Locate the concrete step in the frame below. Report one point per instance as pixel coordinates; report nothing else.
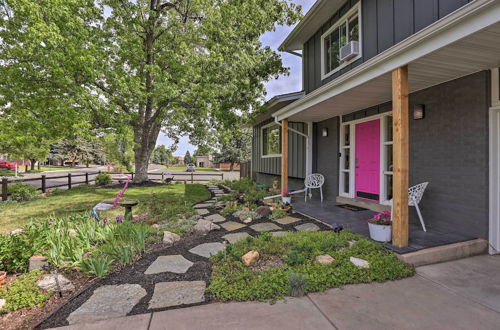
(445, 253)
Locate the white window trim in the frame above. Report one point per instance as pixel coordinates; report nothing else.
(351, 11)
(262, 141)
(495, 89)
(351, 125)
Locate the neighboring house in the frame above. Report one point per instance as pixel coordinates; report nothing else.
(395, 93)
(227, 166)
(204, 161)
(179, 160)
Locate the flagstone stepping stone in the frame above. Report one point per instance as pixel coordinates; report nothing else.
(235, 237)
(207, 250)
(173, 264)
(231, 225)
(287, 220)
(202, 211)
(167, 294)
(215, 218)
(307, 227)
(213, 187)
(108, 301)
(265, 226)
(218, 191)
(279, 233)
(202, 206)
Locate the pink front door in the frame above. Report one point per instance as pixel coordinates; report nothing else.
(368, 160)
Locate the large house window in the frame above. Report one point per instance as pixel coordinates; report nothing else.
(345, 31)
(271, 142)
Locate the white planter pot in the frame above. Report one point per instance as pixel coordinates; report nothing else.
(380, 233)
(287, 200)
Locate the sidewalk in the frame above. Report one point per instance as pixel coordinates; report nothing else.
(462, 294)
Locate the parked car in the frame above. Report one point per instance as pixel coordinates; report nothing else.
(7, 165)
(190, 168)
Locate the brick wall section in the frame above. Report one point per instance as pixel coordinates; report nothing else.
(449, 148)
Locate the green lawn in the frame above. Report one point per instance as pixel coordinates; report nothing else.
(162, 201)
(49, 169)
(182, 168)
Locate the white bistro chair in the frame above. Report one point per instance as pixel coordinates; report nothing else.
(314, 181)
(415, 194)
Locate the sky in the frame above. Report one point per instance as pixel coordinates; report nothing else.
(285, 84)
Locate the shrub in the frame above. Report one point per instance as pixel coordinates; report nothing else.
(277, 214)
(103, 179)
(297, 285)
(254, 196)
(22, 192)
(23, 292)
(242, 214)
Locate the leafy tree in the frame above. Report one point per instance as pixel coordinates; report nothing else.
(202, 150)
(78, 149)
(183, 66)
(187, 158)
(118, 148)
(235, 146)
(162, 155)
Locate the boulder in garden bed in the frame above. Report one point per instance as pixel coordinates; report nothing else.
(55, 282)
(250, 258)
(38, 263)
(324, 259)
(2, 303)
(203, 227)
(264, 210)
(170, 238)
(360, 262)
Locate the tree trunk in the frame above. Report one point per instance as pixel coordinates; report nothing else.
(32, 164)
(38, 165)
(145, 142)
(231, 167)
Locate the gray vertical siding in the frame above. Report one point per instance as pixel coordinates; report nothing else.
(325, 157)
(384, 23)
(296, 152)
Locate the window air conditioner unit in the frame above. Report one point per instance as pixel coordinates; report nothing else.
(349, 51)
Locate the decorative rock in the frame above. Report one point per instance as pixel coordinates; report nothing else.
(17, 231)
(215, 218)
(72, 232)
(360, 262)
(38, 262)
(167, 294)
(287, 220)
(235, 237)
(250, 258)
(263, 210)
(248, 220)
(307, 227)
(203, 227)
(49, 282)
(351, 243)
(173, 264)
(170, 238)
(207, 249)
(107, 302)
(202, 211)
(2, 303)
(324, 259)
(279, 233)
(265, 226)
(231, 225)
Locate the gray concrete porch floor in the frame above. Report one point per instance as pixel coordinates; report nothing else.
(462, 294)
(356, 221)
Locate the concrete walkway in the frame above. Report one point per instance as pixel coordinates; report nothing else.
(462, 294)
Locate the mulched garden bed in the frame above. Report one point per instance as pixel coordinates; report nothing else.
(134, 273)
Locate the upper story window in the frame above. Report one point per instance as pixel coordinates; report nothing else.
(271, 142)
(341, 44)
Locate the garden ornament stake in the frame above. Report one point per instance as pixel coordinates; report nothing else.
(106, 206)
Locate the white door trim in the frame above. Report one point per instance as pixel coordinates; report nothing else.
(494, 173)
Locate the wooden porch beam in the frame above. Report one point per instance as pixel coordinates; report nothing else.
(284, 155)
(400, 230)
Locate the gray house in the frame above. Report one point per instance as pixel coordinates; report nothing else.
(395, 93)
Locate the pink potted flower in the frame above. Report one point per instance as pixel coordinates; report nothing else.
(380, 227)
(286, 197)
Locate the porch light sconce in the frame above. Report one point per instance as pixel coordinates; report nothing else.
(324, 132)
(418, 111)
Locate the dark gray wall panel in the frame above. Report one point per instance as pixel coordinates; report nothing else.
(449, 148)
(326, 156)
(384, 23)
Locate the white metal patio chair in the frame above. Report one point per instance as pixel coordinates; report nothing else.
(314, 181)
(415, 194)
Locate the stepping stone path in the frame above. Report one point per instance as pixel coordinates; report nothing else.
(265, 226)
(307, 227)
(202, 211)
(215, 218)
(202, 206)
(235, 237)
(174, 264)
(107, 302)
(286, 220)
(279, 233)
(231, 225)
(167, 294)
(207, 250)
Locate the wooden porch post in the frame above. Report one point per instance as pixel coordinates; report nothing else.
(284, 155)
(400, 156)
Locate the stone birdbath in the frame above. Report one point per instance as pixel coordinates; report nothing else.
(128, 205)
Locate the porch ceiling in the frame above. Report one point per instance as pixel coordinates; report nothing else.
(473, 53)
